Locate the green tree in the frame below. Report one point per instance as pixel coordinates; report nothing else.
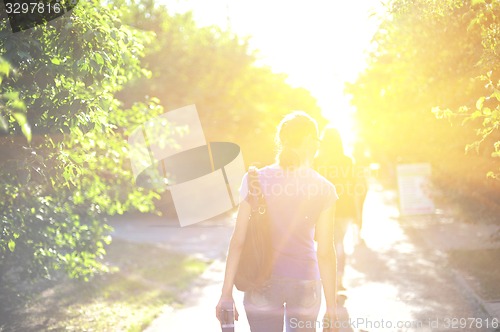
(482, 18)
(73, 171)
(215, 69)
(428, 56)
(58, 184)
(11, 107)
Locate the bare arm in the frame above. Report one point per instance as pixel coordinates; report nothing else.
(327, 259)
(234, 252)
(235, 247)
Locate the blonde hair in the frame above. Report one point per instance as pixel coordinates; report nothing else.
(291, 133)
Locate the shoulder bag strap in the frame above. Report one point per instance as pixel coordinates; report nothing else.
(255, 191)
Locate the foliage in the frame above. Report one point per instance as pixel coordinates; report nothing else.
(215, 69)
(483, 19)
(432, 56)
(11, 107)
(57, 187)
(127, 299)
(73, 171)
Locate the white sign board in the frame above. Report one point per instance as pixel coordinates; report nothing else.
(414, 189)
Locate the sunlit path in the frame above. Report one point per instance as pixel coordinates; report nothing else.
(393, 284)
(370, 297)
(393, 280)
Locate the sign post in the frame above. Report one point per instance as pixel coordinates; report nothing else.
(414, 189)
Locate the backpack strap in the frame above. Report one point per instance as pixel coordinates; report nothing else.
(257, 200)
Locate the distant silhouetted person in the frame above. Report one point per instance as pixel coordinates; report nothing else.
(334, 165)
(362, 165)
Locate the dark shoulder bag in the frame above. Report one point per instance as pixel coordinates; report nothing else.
(255, 264)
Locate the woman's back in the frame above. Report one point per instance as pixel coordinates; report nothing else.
(295, 199)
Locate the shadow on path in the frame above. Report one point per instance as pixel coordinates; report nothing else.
(394, 283)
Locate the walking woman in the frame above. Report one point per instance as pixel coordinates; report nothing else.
(301, 207)
(339, 169)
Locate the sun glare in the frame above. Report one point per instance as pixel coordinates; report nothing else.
(320, 45)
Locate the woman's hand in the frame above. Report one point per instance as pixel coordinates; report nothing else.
(233, 258)
(329, 320)
(225, 303)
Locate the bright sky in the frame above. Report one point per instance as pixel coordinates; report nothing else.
(320, 44)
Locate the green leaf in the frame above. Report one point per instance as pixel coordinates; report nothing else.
(107, 239)
(55, 61)
(20, 118)
(3, 124)
(475, 115)
(99, 59)
(11, 95)
(4, 68)
(18, 104)
(12, 245)
(496, 94)
(25, 127)
(479, 103)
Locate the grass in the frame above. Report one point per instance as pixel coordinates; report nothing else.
(144, 280)
(481, 269)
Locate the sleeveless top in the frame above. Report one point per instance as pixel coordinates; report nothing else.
(295, 199)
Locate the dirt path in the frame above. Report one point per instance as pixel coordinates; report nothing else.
(397, 282)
